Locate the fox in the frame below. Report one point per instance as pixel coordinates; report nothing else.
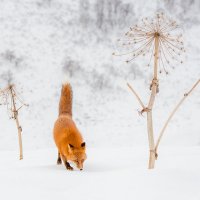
(68, 139)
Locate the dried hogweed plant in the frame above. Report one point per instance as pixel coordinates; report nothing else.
(160, 40)
(11, 98)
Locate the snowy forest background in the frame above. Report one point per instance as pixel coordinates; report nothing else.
(46, 42)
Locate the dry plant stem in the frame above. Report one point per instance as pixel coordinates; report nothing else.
(136, 95)
(173, 112)
(17, 123)
(154, 89)
(152, 153)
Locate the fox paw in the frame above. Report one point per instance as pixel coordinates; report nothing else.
(69, 168)
(59, 162)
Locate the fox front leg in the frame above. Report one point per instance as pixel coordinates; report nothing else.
(67, 165)
(59, 161)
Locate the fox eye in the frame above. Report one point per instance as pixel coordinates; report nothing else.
(71, 146)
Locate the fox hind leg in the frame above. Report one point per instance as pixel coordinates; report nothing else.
(59, 161)
(67, 165)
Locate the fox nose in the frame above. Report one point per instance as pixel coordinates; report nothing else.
(81, 169)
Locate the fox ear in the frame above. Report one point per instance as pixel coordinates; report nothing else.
(71, 146)
(83, 144)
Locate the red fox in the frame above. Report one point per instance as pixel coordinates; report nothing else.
(67, 137)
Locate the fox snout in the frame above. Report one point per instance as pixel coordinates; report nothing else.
(79, 165)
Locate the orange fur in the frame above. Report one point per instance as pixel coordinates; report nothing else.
(67, 137)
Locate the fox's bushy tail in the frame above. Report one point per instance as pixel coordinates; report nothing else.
(65, 104)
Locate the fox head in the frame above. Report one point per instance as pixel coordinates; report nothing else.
(77, 154)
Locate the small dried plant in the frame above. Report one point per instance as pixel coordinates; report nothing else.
(160, 40)
(14, 103)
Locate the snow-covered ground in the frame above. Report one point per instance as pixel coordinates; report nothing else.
(42, 43)
(109, 173)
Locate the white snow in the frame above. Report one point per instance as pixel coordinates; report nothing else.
(109, 173)
(46, 42)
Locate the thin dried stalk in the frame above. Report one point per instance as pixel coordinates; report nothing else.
(173, 112)
(15, 111)
(154, 86)
(136, 95)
